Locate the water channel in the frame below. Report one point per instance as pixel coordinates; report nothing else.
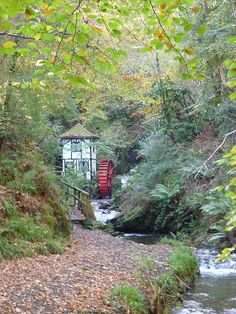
(214, 291)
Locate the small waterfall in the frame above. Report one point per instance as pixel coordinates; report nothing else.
(102, 210)
(208, 267)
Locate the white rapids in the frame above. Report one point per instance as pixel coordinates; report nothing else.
(102, 210)
(215, 291)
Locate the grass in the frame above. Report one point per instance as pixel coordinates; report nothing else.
(160, 288)
(27, 237)
(128, 299)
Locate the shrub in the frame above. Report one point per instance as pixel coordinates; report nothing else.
(183, 263)
(164, 288)
(6, 249)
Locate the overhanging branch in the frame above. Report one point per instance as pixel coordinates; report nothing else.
(16, 35)
(215, 151)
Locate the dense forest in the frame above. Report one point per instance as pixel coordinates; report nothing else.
(154, 84)
(155, 80)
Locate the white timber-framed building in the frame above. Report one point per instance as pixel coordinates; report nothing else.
(79, 151)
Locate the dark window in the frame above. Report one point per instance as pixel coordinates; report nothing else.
(76, 147)
(84, 165)
(69, 164)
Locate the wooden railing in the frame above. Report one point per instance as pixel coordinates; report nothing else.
(80, 198)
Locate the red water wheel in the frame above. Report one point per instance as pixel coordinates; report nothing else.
(105, 175)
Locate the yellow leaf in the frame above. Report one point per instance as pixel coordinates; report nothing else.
(96, 28)
(43, 6)
(48, 28)
(157, 32)
(37, 36)
(48, 13)
(196, 9)
(189, 51)
(69, 39)
(27, 14)
(161, 37)
(163, 5)
(170, 45)
(51, 59)
(9, 44)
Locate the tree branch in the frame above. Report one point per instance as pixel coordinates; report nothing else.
(16, 36)
(167, 36)
(65, 30)
(215, 151)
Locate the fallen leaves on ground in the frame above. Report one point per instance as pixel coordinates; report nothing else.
(77, 281)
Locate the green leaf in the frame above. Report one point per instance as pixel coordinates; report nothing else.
(32, 45)
(201, 76)
(179, 38)
(5, 26)
(189, 2)
(231, 40)
(77, 80)
(115, 33)
(82, 52)
(219, 188)
(202, 29)
(67, 59)
(188, 27)
(231, 83)
(186, 76)
(228, 62)
(47, 50)
(231, 73)
(82, 38)
(233, 96)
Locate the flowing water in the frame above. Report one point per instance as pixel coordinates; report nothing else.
(214, 291)
(102, 210)
(101, 207)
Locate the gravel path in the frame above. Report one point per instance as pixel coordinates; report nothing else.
(77, 281)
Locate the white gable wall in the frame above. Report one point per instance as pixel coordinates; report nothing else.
(79, 155)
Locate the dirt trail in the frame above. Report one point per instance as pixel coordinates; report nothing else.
(77, 281)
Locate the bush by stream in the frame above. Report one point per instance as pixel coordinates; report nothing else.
(156, 291)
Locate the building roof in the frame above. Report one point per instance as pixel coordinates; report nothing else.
(77, 131)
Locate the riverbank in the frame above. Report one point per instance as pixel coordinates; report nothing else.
(77, 281)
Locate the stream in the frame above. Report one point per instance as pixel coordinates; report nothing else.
(214, 291)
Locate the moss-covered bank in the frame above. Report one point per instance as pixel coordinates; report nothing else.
(33, 215)
(157, 291)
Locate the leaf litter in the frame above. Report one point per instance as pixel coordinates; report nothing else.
(77, 281)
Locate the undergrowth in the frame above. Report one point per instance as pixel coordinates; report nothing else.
(33, 215)
(159, 286)
(26, 236)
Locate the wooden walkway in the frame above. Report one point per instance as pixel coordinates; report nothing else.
(82, 208)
